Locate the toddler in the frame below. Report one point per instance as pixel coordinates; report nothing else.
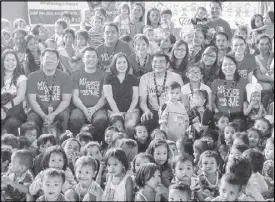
(166, 21)
(230, 188)
(15, 183)
(130, 148)
(52, 183)
(253, 108)
(159, 149)
(96, 32)
(123, 19)
(87, 189)
(229, 132)
(183, 167)
(119, 184)
(142, 137)
(43, 142)
(153, 45)
(200, 17)
(173, 114)
(209, 178)
(256, 160)
(54, 157)
(72, 149)
(148, 178)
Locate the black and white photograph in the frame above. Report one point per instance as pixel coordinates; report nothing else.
(137, 100)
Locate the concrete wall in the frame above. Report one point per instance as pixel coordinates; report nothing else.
(14, 9)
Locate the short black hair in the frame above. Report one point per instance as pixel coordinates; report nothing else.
(145, 173)
(86, 137)
(89, 48)
(63, 23)
(10, 139)
(69, 30)
(182, 158)
(223, 34)
(181, 187)
(119, 154)
(50, 50)
(166, 11)
(142, 155)
(53, 172)
(161, 54)
(28, 126)
(174, 85)
(44, 138)
(255, 158)
(47, 155)
(111, 24)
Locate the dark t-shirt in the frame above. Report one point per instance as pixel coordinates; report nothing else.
(36, 84)
(219, 23)
(227, 98)
(138, 71)
(122, 92)
(89, 85)
(247, 65)
(106, 53)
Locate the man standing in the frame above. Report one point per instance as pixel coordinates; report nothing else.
(49, 92)
(88, 95)
(111, 46)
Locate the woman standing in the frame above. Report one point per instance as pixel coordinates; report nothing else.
(179, 59)
(209, 65)
(229, 91)
(141, 60)
(13, 90)
(136, 19)
(121, 90)
(20, 47)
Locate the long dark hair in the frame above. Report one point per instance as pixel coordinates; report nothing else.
(17, 71)
(148, 21)
(252, 22)
(236, 75)
(142, 8)
(31, 61)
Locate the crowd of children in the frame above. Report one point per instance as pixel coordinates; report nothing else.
(215, 135)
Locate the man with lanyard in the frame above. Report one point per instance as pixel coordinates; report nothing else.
(153, 89)
(111, 46)
(88, 96)
(49, 92)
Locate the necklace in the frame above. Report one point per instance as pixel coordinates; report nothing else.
(50, 88)
(159, 93)
(217, 180)
(143, 62)
(227, 93)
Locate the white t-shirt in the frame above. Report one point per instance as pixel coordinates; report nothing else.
(147, 88)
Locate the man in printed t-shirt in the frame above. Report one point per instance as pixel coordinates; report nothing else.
(49, 92)
(111, 46)
(88, 95)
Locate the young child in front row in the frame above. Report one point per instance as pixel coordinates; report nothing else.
(130, 148)
(108, 138)
(183, 167)
(119, 186)
(209, 178)
(148, 179)
(54, 157)
(179, 192)
(53, 181)
(15, 183)
(173, 115)
(43, 142)
(268, 167)
(87, 189)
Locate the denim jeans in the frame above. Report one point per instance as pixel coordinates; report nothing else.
(99, 120)
(62, 117)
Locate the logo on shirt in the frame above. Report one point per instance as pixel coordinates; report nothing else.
(91, 87)
(46, 96)
(231, 97)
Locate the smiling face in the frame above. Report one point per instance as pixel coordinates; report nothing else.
(198, 38)
(256, 97)
(228, 135)
(261, 125)
(19, 40)
(264, 46)
(159, 64)
(222, 123)
(228, 67)
(56, 161)
(141, 47)
(32, 45)
(184, 171)
(84, 174)
(10, 62)
(180, 52)
(50, 61)
(234, 153)
(165, 18)
(68, 39)
(80, 41)
(258, 21)
(71, 149)
(114, 166)
(209, 164)
(194, 74)
(52, 187)
(215, 9)
(121, 65)
(238, 46)
(90, 59)
(160, 154)
(209, 58)
(109, 136)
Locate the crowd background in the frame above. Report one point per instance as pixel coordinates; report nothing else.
(126, 109)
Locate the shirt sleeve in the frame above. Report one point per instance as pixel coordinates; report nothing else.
(20, 79)
(67, 87)
(108, 79)
(134, 80)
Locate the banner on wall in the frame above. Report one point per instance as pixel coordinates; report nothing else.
(48, 12)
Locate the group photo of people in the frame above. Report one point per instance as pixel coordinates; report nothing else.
(131, 109)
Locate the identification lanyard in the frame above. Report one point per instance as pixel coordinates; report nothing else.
(159, 93)
(50, 89)
(227, 93)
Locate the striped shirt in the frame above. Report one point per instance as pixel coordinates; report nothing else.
(95, 37)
